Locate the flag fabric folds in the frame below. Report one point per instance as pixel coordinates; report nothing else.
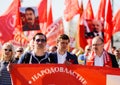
(71, 9)
(86, 17)
(108, 23)
(42, 12)
(116, 22)
(8, 22)
(54, 30)
(50, 16)
(101, 11)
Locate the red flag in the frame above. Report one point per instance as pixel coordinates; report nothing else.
(81, 8)
(50, 17)
(108, 23)
(42, 12)
(55, 30)
(86, 17)
(101, 10)
(81, 40)
(116, 22)
(108, 26)
(88, 12)
(71, 9)
(8, 22)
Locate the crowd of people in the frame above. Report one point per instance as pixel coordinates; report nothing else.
(36, 53)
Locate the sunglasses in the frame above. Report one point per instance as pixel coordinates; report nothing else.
(97, 44)
(40, 40)
(19, 51)
(8, 50)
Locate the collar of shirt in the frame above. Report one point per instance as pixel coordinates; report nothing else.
(61, 58)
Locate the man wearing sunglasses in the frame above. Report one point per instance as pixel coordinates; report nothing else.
(38, 54)
(18, 53)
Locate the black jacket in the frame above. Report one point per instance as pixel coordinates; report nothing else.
(70, 57)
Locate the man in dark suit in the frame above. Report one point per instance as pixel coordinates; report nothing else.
(62, 56)
(100, 57)
(30, 23)
(97, 27)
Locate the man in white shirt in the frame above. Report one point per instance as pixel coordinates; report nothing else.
(100, 57)
(62, 56)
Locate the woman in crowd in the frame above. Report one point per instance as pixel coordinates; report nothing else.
(6, 58)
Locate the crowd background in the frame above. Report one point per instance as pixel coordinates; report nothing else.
(87, 42)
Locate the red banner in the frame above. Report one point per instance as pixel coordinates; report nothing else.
(54, 74)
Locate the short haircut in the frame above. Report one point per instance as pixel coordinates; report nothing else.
(40, 34)
(63, 37)
(100, 38)
(30, 9)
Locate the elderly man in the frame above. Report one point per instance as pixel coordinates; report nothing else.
(99, 57)
(97, 29)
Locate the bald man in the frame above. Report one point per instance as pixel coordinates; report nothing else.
(100, 57)
(97, 28)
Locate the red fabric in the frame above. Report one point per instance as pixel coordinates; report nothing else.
(50, 16)
(61, 74)
(81, 8)
(42, 12)
(116, 22)
(8, 22)
(54, 31)
(88, 12)
(108, 23)
(71, 9)
(101, 10)
(82, 42)
(87, 15)
(106, 57)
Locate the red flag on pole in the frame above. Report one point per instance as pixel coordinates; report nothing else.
(86, 17)
(50, 17)
(108, 24)
(88, 12)
(116, 22)
(55, 30)
(8, 22)
(71, 9)
(42, 12)
(101, 11)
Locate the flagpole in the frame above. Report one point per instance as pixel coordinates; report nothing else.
(112, 38)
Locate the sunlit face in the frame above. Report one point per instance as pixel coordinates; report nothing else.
(63, 44)
(88, 49)
(97, 25)
(97, 45)
(18, 52)
(40, 42)
(30, 16)
(7, 52)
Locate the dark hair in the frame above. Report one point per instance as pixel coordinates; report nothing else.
(30, 9)
(40, 34)
(63, 37)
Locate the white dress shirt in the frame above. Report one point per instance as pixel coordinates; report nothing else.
(61, 58)
(98, 61)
